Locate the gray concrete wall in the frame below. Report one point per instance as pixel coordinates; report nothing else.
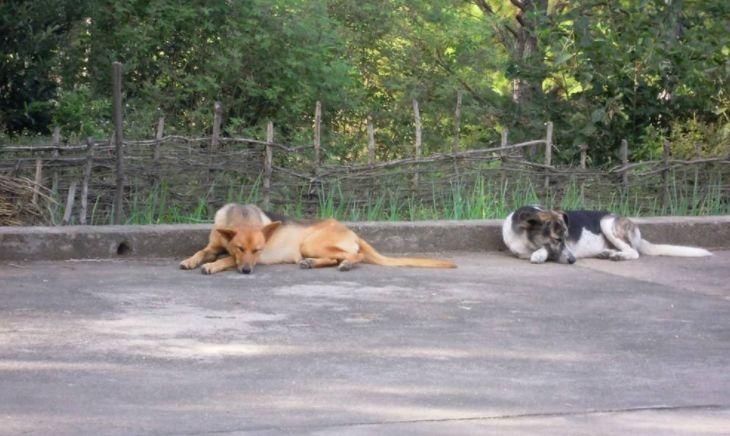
(178, 241)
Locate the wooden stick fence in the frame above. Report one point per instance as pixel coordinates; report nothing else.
(268, 159)
(118, 140)
(624, 151)
(86, 181)
(215, 138)
(371, 141)
(216, 154)
(548, 151)
(366, 171)
(317, 135)
(37, 181)
(56, 144)
(417, 144)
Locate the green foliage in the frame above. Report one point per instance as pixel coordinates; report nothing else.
(78, 113)
(37, 53)
(644, 70)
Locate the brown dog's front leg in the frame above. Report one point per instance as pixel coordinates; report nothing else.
(207, 254)
(219, 265)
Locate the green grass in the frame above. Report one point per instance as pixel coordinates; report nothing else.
(460, 200)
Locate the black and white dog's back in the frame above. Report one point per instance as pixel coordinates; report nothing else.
(540, 235)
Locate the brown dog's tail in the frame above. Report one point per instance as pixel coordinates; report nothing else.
(372, 256)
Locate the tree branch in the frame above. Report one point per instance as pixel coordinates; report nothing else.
(499, 32)
(560, 6)
(484, 6)
(520, 19)
(440, 62)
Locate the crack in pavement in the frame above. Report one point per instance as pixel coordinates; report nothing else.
(289, 428)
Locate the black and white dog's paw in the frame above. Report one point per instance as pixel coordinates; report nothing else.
(539, 256)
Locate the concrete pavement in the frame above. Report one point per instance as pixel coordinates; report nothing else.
(497, 346)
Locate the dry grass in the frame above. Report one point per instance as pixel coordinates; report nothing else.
(16, 202)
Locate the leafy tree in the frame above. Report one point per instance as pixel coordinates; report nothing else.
(643, 70)
(38, 56)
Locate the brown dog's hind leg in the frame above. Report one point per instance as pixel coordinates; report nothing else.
(311, 262)
(332, 241)
(348, 260)
(330, 256)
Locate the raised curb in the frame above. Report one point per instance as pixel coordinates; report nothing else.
(181, 240)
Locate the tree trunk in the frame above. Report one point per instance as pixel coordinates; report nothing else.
(523, 47)
(528, 53)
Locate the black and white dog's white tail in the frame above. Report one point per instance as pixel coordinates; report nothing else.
(648, 249)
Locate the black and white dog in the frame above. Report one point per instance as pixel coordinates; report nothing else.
(537, 234)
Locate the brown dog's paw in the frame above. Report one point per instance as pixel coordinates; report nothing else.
(208, 269)
(345, 265)
(187, 264)
(307, 263)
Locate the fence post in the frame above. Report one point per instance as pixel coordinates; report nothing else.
(215, 137)
(158, 139)
(56, 142)
(371, 140)
(38, 180)
(317, 135)
(583, 159)
(583, 155)
(156, 150)
(87, 177)
(417, 145)
(457, 132)
(69, 203)
(698, 154)
(665, 175)
(624, 163)
(548, 152)
(504, 140)
(457, 122)
(118, 139)
(267, 165)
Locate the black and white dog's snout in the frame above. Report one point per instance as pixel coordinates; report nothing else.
(571, 259)
(565, 256)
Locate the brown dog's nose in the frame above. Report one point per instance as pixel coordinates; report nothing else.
(246, 270)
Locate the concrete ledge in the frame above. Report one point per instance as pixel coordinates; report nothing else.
(178, 241)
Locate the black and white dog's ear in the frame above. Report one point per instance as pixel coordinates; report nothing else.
(529, 218)
(562, 213)
(533, 222)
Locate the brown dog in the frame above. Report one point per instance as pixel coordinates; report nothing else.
(250, 236)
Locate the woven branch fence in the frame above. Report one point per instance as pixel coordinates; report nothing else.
(194, 173)
(98, 180)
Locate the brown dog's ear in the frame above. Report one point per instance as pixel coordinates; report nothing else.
(269, 229)
(227, 233)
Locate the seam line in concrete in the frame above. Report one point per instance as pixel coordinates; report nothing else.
(658, 408)
(671, 288)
